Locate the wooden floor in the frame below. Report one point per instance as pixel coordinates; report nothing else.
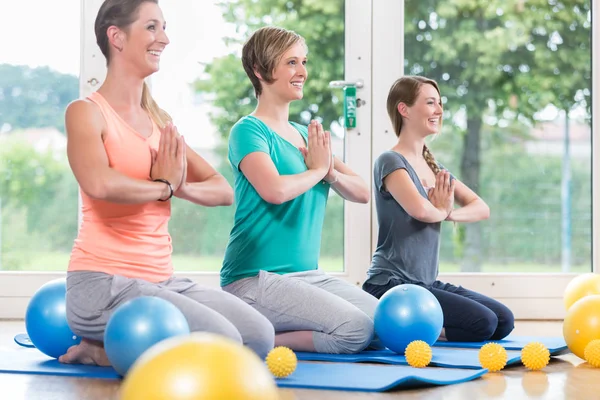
(567, 377)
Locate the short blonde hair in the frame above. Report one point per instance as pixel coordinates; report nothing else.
(263, 50)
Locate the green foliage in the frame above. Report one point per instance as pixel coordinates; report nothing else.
(501, 53)
(26, 175)
(35, 97)
(321, 23)
(525, 222)
(497, 62)
(524, 227)
(40, 193)
(562, 30)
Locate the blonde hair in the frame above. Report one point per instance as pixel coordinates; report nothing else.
(158, 115)
(122, 13)
(263, 50)
(406, 90)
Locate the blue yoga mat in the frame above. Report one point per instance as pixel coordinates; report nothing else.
(372, 378)
(327, 376)
(555, 345)
(31, 361)
(446, 358)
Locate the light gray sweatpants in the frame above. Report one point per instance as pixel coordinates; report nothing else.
(339, 314)
(92, 297)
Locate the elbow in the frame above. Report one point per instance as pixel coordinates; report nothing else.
(486, 212)
(273, 197)
(227, 196)
(224, 192)
(422, 214)
(96, 190)
(363, 197)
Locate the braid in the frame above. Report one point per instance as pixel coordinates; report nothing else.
(430, 159)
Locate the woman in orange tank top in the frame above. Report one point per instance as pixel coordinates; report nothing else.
(129, 161)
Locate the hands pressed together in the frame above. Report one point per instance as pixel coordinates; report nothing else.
(319, 155)
(442, 194)
(170, 162)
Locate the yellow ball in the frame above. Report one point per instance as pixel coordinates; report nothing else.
(281, 361)
(199, 366)
(582, 324)
(418, 354)
(581, 286)
(592, 353)
(493, 357)
(535, 356)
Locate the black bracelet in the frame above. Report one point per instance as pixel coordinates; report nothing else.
(168, 184)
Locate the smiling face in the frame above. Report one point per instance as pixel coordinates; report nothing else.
(425, 115)
(143, 41)
(289, 75)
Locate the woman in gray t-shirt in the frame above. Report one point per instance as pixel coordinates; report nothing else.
(413, 195)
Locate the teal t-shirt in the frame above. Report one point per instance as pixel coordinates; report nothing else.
(279, 238)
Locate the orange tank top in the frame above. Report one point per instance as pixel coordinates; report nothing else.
(131, 240)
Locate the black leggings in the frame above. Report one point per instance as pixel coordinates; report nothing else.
(468, 316)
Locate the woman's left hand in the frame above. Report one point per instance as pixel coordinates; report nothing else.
(332, 173)
(180, 192)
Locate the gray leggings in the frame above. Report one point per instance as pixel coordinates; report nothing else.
(92, 297)
(339, 314)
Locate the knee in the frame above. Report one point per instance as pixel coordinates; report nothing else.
(354, 335)
(506, 324)
(229, 331)
(260, 336)
(218, 326)
(484, 326)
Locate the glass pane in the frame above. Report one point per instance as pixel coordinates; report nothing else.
(203, 86)
(38, 77)
(515, 80)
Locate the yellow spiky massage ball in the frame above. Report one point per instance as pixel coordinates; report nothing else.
(493, 357)
(592, 353)
(281, 361)
(535, 356)
(418, 354)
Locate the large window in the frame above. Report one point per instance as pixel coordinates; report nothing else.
(203, 86)
(517, 89)
(39, 70)
(516, 83)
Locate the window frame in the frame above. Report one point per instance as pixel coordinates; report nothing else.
(530, 296)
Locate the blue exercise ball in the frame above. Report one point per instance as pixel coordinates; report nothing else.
(137, 325)
(46, 319)
(406, 313)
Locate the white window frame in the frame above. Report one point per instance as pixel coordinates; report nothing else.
(16, 288)
(528, 295)
(374, 54)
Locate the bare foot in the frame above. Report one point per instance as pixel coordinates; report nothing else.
(87, 352)
(442, 337)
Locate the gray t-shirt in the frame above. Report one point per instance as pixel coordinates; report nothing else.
(407, 249)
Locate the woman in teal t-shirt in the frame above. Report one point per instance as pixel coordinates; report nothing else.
(283, 172)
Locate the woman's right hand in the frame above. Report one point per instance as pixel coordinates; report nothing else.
(169, 161)
(442, 194)
(318, 154)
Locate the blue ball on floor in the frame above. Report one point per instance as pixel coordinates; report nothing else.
(406, 313)
(137, 325)
(46, 319)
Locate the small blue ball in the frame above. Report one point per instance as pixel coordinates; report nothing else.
(137, 325)
(46, 319)
(406, 313)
